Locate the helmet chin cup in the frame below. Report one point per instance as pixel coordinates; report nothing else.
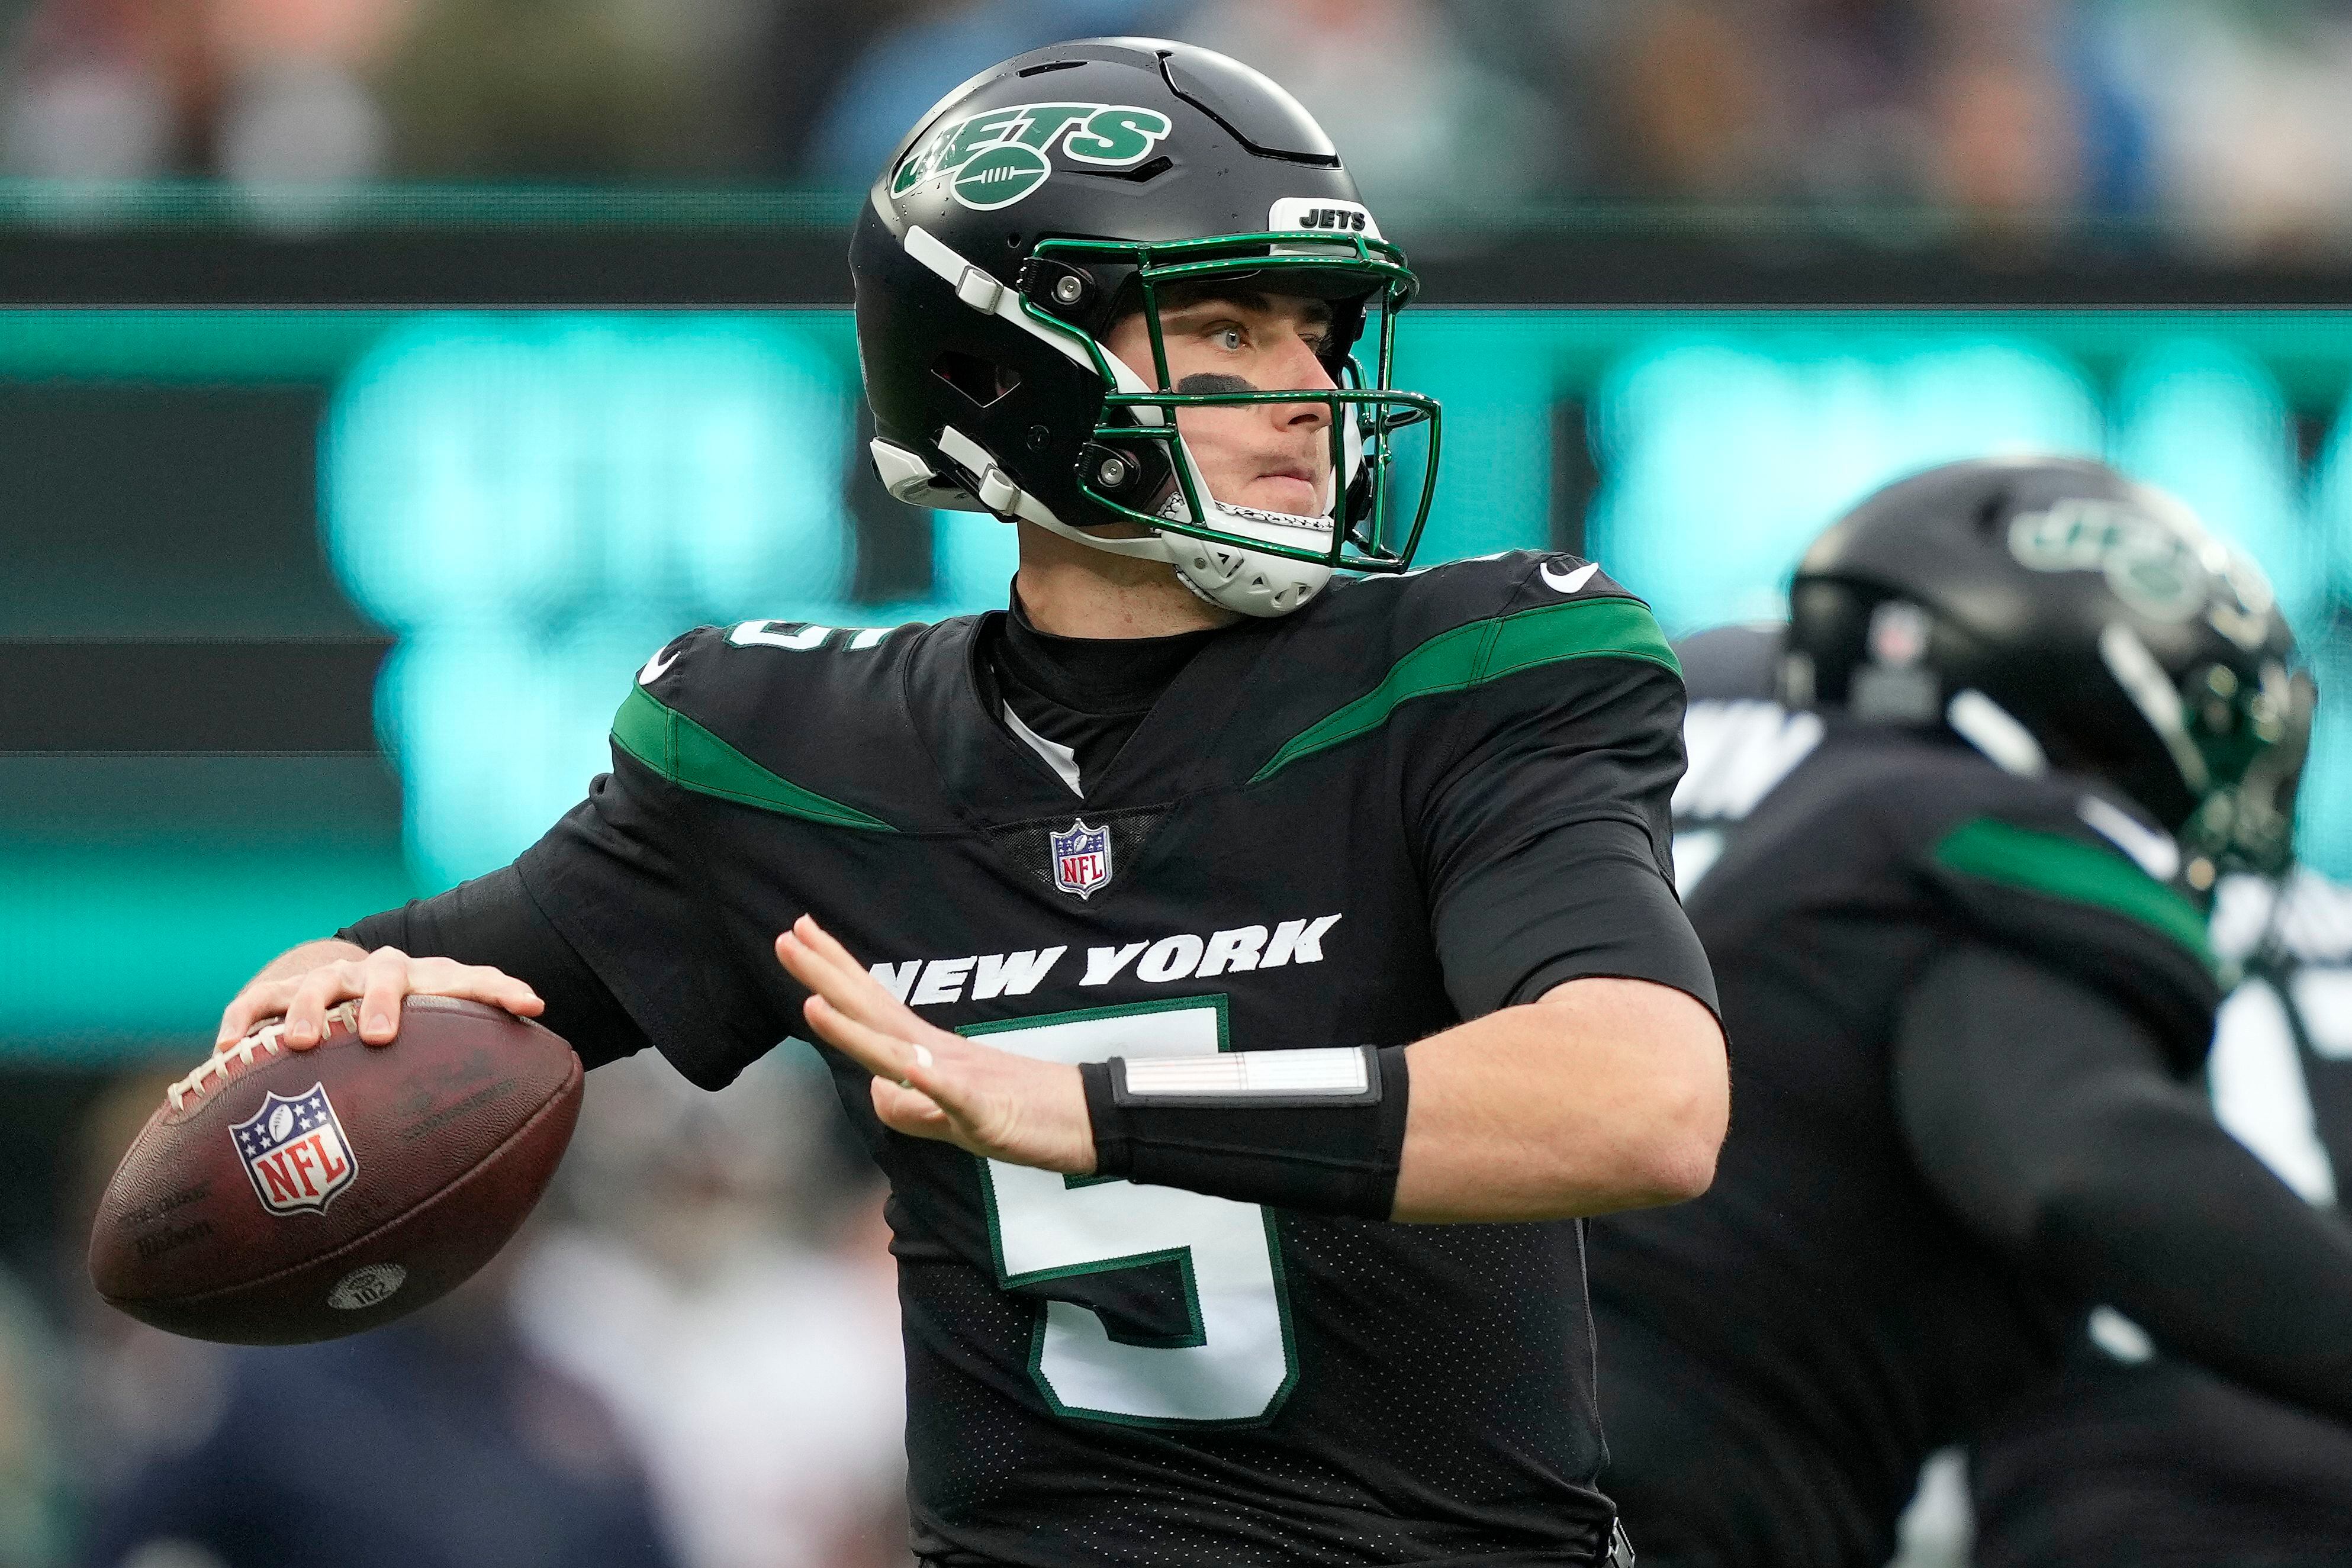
(1248, 581)
(1232, 576)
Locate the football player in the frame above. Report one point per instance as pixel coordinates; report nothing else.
(1951, 908)
(2135, 1459)
(1212, 913)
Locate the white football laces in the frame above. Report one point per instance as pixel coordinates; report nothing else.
(268, 1037)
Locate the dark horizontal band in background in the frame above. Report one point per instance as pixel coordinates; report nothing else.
(310, 697)
(1602, 261)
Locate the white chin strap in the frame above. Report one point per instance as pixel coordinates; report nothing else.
(1236, 577)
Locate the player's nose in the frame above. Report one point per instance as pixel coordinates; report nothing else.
(1297, 367)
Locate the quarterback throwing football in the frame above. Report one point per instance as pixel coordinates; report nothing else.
(1190, 937)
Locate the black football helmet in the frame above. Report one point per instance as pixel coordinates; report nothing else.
(1049, 197)
(2057, 613)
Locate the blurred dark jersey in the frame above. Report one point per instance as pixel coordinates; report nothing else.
(2137, 1460)
(1781, 1354)
(1414, 801)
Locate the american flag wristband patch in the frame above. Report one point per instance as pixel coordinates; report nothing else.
(1319, 1130)
(1326, 1075)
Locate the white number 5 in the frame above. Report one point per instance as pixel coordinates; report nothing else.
(1237, 1364)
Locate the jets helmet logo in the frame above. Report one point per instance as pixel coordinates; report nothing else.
(295, 1152)
(998, 156)
(1081, 858)
(2153, 563)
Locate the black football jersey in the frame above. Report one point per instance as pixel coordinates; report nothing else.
(2131, 1458)
(1415, 800)
(1783, 1352)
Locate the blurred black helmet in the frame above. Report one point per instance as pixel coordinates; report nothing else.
(1052, 196)
(2056, 613)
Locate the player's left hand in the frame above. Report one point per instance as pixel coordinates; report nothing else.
(930, 1084)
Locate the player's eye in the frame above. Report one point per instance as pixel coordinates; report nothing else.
(1231, 339)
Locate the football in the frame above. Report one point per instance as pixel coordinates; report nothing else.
(278, 1196)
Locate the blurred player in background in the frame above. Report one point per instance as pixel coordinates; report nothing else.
(1303, 905)
(2135, 1458)
(2128, 1459)
(1942, 906)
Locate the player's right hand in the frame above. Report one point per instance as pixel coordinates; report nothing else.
(379, 980)
(930, 1084)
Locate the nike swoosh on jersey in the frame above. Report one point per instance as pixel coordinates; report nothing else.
(655, 667)
(1568, 581)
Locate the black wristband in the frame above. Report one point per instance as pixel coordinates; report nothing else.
(1322, 1131)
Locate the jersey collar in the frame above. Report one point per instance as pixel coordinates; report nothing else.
(993, 779)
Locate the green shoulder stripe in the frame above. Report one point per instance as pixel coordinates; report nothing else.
(688, 755)
(2061, 867)
(1485, 650)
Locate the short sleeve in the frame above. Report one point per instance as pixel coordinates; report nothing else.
(1549, 839)
(621, 878)
(2022, 864)
(494, 920)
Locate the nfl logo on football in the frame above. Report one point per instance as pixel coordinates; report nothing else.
(1081, 858)
(295, 1153)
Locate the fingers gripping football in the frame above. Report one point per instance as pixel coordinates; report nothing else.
(379, 980)
(930, 1084)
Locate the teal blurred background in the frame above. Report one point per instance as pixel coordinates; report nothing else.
(438, 543)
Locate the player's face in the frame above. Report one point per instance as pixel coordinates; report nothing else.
(1275, 456)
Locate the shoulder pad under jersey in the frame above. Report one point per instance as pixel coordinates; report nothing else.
(2056, 868)
(751, 714)
(1424, 603)
(1363, 653)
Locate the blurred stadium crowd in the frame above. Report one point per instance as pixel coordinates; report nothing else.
(2223, 122)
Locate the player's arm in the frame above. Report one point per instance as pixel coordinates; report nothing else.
(1591, 1075)
(1605, 1094)
(484, 940)
(2041, 1111)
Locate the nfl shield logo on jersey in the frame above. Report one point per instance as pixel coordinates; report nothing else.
(295, 1152)
(1081, 858)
